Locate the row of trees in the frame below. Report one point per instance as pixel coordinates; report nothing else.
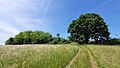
(35, 37)
(88, 28)
(30, 37)
(113, 41)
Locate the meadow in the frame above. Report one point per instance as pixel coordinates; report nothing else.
(106, 56)
(59, 56)
(42, 56)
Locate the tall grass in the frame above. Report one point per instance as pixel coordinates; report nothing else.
(106, 56)
(44, 56)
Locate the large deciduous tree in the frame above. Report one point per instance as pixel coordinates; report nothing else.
(88, 26)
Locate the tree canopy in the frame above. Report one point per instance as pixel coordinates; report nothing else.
(88, 27)
(59, 40)
(35, 37)
(30, 37)
(9, 41)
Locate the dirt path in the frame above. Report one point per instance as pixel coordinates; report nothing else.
(73, 60)
(92, 60)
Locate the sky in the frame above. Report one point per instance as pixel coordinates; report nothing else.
(53, 16)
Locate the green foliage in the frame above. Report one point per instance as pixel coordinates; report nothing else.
(88, 26)
(36, 37)
(54, 40)
(9, 41)
(30, 37)
(58, 35)
(113, 41)
(59, 40)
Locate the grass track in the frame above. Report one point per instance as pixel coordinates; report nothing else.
(73, 60)
(91, 59)
(82, 60)
(106, 56)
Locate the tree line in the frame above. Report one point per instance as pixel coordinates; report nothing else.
(89, 28)
(35, 37)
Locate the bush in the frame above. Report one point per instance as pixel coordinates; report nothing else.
(56, 40)
(113, 41)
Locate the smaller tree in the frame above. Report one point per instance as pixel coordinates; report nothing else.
(58, 35)
(59, 40)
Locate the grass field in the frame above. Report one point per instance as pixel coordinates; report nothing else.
(106, 56)
(42, 56)
(59, 56)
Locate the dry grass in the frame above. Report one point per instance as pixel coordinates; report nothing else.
(106, 56)
(43, 56)
(58, 56)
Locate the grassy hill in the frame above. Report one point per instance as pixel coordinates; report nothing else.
(59, 56)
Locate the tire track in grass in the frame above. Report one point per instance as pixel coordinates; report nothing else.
(83, 59)
(92, 60)
(73, 60)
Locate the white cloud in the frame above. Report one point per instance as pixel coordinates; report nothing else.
(19, 15)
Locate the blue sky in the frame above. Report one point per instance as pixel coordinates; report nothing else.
(53, 16)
